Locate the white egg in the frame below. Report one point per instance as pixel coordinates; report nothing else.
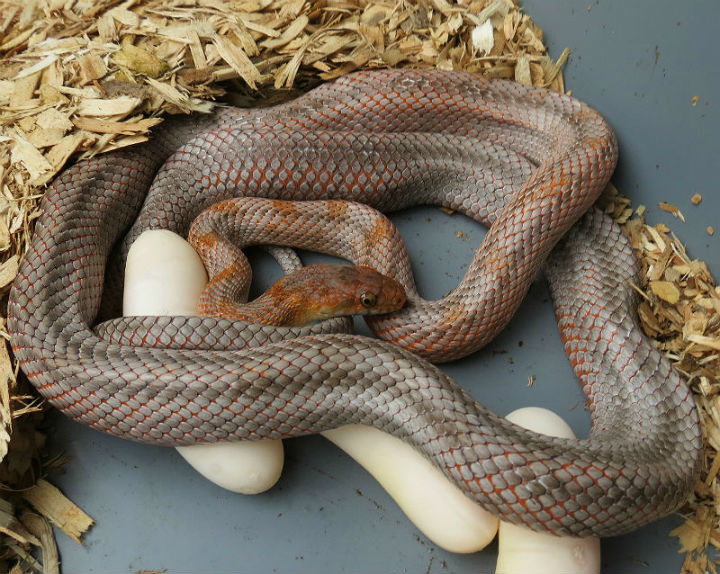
(543, 421)
(435, 505)
(165, 276)
(249, 467)
(524, 551)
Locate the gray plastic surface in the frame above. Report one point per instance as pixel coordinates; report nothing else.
(639, 63)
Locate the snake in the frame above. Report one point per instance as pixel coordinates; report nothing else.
(527, 162)
(305, 293)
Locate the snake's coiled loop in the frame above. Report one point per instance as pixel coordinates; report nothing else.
(527, 161)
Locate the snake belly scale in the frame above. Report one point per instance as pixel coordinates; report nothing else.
(527, 162)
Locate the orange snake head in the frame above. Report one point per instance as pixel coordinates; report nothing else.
(321, 291)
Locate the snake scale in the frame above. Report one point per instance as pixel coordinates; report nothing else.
(525, 161)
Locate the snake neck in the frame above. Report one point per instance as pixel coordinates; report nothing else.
(269, 308)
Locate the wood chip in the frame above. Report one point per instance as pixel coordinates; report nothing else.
(703, 341)
(115, 127)
(666, 290)
(31, 158)
(290, 33)
(11, 526)
(522, 71)
(238, 60)
(181, 100)
(54, 119)
(92, 67)
(43, 532)
(61, 152)
(23, 93)
(8, 271)
(102, 107)
(672, 209)
(693, 535)
(57, 508)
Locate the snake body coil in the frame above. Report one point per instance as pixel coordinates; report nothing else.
(526, 161)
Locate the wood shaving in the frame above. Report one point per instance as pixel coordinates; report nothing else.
(672, 209)
(79, 78)
(665, 290)
(51, 503)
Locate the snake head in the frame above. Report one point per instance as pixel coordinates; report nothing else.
(326, 290)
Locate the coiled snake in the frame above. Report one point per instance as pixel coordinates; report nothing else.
(526, 161)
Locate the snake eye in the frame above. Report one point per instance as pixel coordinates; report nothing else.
(368, 300)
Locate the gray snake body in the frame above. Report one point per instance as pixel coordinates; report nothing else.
(526, 161)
